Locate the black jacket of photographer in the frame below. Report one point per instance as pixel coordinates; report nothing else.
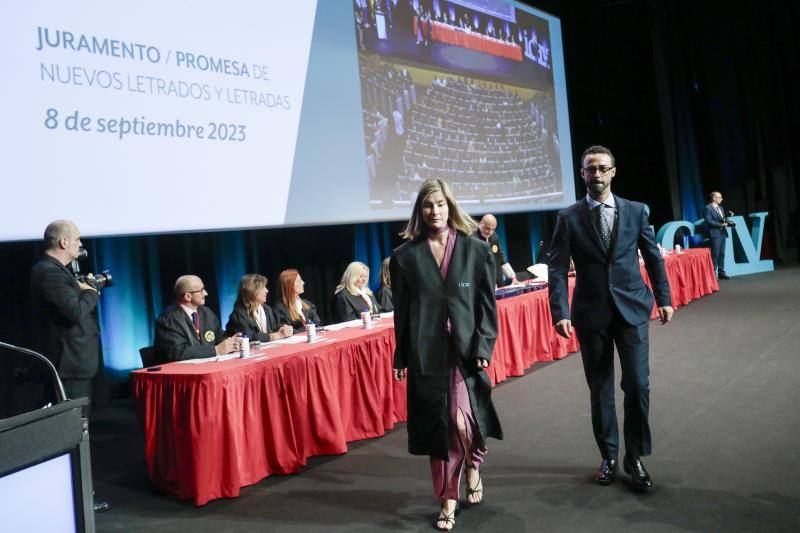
(66, 326)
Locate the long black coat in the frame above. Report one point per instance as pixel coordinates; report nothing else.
(66, 323)
(240, 321)
(423, 301)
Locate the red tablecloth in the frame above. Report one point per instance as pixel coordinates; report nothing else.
(691, 276)
(476, 41)
(214, 427)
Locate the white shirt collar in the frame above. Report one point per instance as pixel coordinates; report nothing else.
(189, 311)
(610, 202)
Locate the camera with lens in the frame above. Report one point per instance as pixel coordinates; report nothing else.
(98, 282)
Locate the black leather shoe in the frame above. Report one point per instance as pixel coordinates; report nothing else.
(640, 479)
(724, 276)
(607, 472)
(101, 506)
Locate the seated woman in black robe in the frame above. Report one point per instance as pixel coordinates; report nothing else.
(352, 296)
(384, 294)
(292, 309)
(252, 316)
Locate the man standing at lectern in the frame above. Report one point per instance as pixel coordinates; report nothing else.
(611, 305)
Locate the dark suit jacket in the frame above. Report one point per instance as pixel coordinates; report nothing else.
(348, 306)
(384, 298)
(423, 302)
(714, 221)
(605, 279)
(176, 339)
(285, 317)
(65, 320)
(240, 321)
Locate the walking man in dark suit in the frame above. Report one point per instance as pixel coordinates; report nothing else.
(717, 228)
(611, 305)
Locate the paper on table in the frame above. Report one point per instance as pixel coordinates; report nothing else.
(342, 325)
(294, 339)
(227, 357)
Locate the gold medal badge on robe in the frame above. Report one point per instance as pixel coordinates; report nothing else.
(209, 336)
(494, 248)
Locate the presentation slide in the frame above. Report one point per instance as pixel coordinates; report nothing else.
(172, 116)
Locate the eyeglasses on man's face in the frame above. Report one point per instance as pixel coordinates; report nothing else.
(201, 289)
(591, 169)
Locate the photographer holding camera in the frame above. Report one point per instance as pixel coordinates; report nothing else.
(67, 331)
(716, 226)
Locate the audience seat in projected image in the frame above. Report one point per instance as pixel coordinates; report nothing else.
(481, 138)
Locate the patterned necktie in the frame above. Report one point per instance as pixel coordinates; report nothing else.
(602, 226)
(196, 322)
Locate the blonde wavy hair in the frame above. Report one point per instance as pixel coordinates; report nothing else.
(457, 218)
(350, 276)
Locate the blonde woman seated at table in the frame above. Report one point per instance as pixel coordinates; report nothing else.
(252, 316)
(384, 294)
(352, 296)
(292, 309)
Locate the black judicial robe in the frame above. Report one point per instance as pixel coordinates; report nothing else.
(348, 306)
(384, 297)
(240, 321)
(423, 301)
(176, 339)
(285, 317)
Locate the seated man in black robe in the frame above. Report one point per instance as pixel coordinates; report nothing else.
(486, 233)
(188, 329)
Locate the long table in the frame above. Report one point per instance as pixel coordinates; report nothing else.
(214, 427)
(448, 34)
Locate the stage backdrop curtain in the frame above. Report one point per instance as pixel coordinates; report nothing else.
(374, 242)
(537, 231)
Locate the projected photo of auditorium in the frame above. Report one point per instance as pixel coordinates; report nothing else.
(459, 90)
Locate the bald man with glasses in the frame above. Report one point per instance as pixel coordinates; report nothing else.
(188, 329)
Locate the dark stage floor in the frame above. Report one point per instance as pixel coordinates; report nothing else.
(725, 414)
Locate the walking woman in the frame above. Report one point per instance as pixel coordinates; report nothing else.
(445, 327)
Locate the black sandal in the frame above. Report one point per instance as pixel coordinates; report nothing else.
(449, 520)
(475, 489)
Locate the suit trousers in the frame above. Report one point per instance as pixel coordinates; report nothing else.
(79, 388)
(597, 351)
(718, 253)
